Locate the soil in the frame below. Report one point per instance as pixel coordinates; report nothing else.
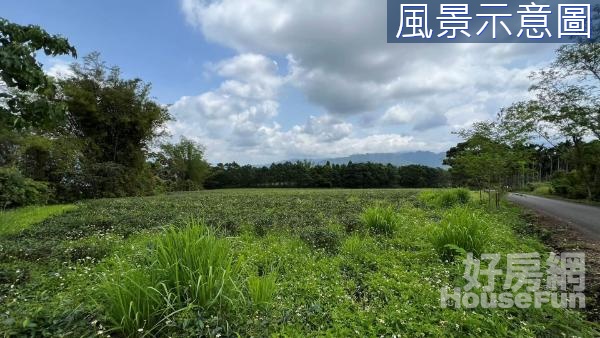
(562, 237)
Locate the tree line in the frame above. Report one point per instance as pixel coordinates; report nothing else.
(553, 138)
(95, 134)
(308, 175)
(87, 135)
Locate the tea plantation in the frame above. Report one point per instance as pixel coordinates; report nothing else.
(261, 263)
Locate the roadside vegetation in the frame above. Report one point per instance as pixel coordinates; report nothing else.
(262, 262)
(549, 144)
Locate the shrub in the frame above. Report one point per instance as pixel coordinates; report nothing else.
(261, 288)
(539, 188)
(461, 229)
(446, 198)
(17, 190)
(568, 185)
(322, 238)
(543, 190)
(381, 220)
(463, 196)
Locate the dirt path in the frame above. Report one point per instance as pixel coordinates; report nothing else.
(564, 236)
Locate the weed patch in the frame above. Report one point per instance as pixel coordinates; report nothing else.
(461, 230)
(446, 198)
(381, 220)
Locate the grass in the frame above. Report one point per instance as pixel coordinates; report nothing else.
(132, 301)
(14, 221)
(445, 198)
(543, 189)
(262, 288)
(196, 265)
(381, 220)
(260, 264)
(462, 230)
(186, 269)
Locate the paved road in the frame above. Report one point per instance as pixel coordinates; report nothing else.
(585, 218)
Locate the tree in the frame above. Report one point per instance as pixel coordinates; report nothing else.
(30, 99)
(305, 174)
(566, 105)
(488, 158)
(116, 120)
(418, 176)
(182, 165)
(57, 161)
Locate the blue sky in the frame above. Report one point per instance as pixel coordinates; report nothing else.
(258, 81)
(147, 39)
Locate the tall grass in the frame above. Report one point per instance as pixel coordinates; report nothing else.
(445, 198)
(381, 220)
(196, 266)
(461, 230)
(261, 288)
(131, 302)
(188, 268)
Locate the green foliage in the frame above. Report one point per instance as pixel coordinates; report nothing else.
(14, 221)
(323, 238)
(131, 301)
(486, 158)
(308, 175)
(461, 229)
(381, 220)
(419, 176)
(262, 288)
(511, 150)
(540, 188)
(580, 182)
(32, 100)
(197, 266)
(372, 286)
(55, 160)
(446, 198)
(17, 190)
(182, 165)
(187, 268)
(116, 120)
(568, 185)
(463, 196)
(9, 147)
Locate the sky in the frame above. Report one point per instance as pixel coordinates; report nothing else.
(257, 81)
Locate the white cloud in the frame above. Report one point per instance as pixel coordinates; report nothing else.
(325, 128)
(233, 110)
(419, 117)
(59, 69)
(236, 121)
(339, 59)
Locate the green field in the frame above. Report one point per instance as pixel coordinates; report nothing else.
(282, 262)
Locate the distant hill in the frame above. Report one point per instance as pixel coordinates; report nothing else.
(426, 158)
